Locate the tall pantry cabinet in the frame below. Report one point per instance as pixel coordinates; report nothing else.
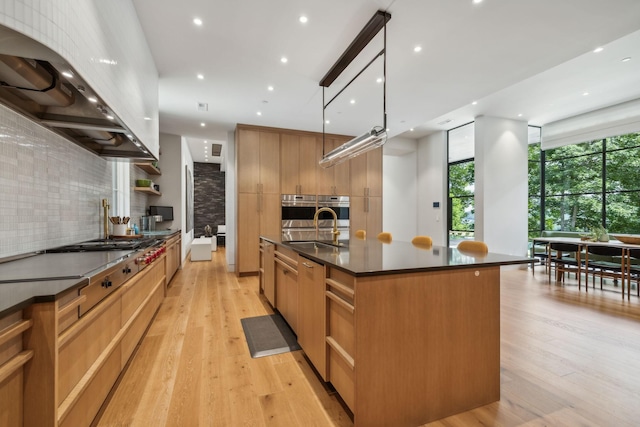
(258, 180)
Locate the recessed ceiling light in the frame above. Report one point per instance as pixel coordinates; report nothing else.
(477, 1)
(67, 74)
(92, 99)
(353, 101)
(417, 48)
(474, 103)
(109, 117)
(200, 76)
(259, 113)
(202, 125)
(388, 130)
(411, 130)
(598, 49)
(270, 88)
(303, 19)
(379, 80)
(520, 115)
(585, 94)
(147, 118)
(197, 21)
(205, 141)
(627, 59)
(327, 121)
(284, 60)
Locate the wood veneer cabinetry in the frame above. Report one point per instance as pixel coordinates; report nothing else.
(298, 164)
(333, 181)
(365, 213)
(267, 271)
(174, 257)
(311, 313)
(366, 174)
(287, 285)
(258, 172)
(74, 359)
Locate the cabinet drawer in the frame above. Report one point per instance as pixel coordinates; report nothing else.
(340, 326)
(341, 376)
(104, 284)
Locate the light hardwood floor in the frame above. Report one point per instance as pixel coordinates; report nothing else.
(568, 358)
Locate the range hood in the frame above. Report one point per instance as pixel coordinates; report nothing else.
(38, 83)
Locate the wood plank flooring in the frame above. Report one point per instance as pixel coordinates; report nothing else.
(568, 358)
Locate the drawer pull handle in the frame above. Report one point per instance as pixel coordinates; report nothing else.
(307, 265)
(349, 307)
(341, 352)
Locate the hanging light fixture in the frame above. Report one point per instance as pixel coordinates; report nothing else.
(377, 136)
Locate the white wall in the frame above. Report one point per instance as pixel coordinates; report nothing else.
(170, 180)
(501, 190)
(399, 190)
(432, 187)
(185, 160)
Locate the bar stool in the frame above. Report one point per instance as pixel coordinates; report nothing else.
(424, 242)
(360, 234)
(473, 246)
(385, 237)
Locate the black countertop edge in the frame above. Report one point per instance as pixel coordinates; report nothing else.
(321, 261)
(62, 286)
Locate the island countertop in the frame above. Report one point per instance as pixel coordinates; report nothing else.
(371, 257)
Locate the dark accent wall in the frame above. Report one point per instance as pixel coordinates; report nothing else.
(208, 197)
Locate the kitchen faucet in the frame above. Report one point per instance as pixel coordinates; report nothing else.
(105, 205)
(335, 231)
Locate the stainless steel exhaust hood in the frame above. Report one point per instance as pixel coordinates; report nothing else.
(38, 83)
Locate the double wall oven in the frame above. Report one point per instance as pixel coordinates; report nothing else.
(298, 210)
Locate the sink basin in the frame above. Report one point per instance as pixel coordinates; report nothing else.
(312, 244)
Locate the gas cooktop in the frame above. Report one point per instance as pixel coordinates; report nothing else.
(105, 245)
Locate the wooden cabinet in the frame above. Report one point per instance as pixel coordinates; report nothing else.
(366, 174)
(298, 164)
(258, 214)
(365, 213)
(267, 271)
(311, 313)
(258, 173)
(13, 357)
(74, 356)
(174, 257)
(258, 161)
(340, 296)
(333, 181)
(286, 275)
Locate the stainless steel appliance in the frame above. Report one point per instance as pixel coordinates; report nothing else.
(297, 212)
(340, 205)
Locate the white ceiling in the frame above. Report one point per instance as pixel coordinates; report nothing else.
(529, 57)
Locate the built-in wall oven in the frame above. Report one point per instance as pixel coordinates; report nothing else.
(297, 212)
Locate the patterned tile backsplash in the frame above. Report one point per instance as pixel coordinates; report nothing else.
(50, 188)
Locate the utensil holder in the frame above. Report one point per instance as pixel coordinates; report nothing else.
(119, 229)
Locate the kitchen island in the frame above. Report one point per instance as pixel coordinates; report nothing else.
(406, 335)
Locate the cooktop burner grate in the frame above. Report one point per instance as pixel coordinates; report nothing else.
(104, 245)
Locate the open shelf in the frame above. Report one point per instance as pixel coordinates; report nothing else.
(147, 190)
(149, 168)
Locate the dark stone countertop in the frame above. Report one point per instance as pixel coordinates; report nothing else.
(44, 277)
(371, 257)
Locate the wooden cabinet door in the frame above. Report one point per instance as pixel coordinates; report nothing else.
(248, 158)
(267, 277)
(308, 165)
(270, 162)
(358, 170)
(325, 176)
(357, 215)
(292, 300)
(374, 216)
(281, 290)
(289, 165)
(374, 172)
(341, 173)
(312, 315)
(248, 251)
(270, 223)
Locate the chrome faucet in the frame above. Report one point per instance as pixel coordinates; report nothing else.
(335, 231)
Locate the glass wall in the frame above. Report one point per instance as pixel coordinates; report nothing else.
(586, 185)
(461, 207)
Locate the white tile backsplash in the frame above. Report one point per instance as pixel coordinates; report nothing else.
(51, 189)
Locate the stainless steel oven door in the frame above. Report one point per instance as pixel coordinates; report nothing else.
(340, 205)
(297, 211)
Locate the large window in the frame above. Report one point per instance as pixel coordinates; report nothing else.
(586, 185)
(461, 209)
